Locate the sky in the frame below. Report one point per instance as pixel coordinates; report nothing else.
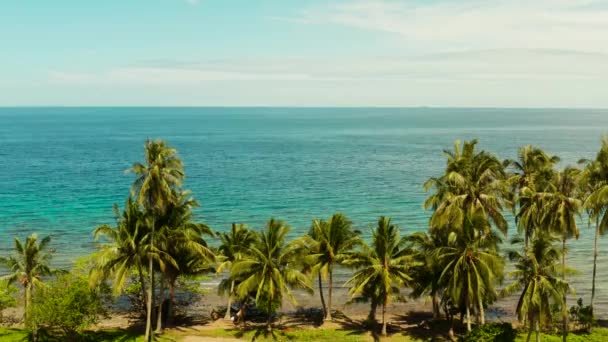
(477, 53)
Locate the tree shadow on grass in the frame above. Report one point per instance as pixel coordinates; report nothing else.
(421, 325)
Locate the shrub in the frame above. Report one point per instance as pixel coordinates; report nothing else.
(69, 304)
(8, 294)
(499, 332)
(581, 316)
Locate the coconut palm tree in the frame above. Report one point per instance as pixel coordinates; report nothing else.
(532, 174)
(271, 269)
(183, 250)
(386, 265)
(428, 274)
(536, 274)
(234, 245)
(157, 184)
(594, 182)
(30, 262)
(472, 185)
(333, 242)
(472, 267)
(561, 209)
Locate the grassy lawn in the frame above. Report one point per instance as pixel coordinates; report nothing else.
(304, 335)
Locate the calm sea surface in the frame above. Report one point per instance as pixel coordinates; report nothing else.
(62, 169)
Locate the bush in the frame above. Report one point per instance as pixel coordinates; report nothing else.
(581, 316)
(69, 304)
(8, 294)
(499, 332)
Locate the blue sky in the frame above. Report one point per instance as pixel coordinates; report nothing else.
(515, 53)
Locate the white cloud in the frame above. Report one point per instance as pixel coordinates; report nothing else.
(580, 25)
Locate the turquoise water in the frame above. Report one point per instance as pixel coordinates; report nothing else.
(63, 168)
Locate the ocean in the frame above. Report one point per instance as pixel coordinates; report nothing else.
(62, 169)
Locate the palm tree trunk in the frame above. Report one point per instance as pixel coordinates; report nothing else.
(227, 315)
(384, 316)
(537, 328)
(149, 336)
(171, 303)
(468, 318)
(436, 313)
(269, 322)
(28, 300)
(161, 299)
(482, 313)
(564, 310)
(331, 286)
(322, 297)
(530, 331)
(144, 294)
(597, 233)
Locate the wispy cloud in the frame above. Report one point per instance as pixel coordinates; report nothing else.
(479, 24)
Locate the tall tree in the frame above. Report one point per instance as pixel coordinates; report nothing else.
(333, 243)
(560, 211)
(183, 249)
(29, 263)
(594, 183)
(536, 274)
(158, 182)
(386, 265)
(271, 268)
(233, 247)
(124, 249)
(472, 185)
(472, 268)
(531, 175)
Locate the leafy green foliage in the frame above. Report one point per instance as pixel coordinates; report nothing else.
(492, 332)
(68, 303)
(582, 316)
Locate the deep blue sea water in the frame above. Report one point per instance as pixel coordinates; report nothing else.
(62, 169)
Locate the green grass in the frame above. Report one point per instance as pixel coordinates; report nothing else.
(304, 335)
(12, 335)
(597, 335)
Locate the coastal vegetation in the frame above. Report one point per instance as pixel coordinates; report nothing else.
(463, 263)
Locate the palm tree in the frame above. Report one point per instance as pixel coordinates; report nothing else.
(28, 265)
(427, 275)
(333, 242)
(537, 275)
(386, 265)
(234, 245)
(532, 174)
(271, 268)
(183, 250)
(594, 182)
(472, 268)
(157, 184)
(560, 211)
(472, 184)
(124, 249)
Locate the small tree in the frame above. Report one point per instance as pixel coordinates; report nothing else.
(69, 304)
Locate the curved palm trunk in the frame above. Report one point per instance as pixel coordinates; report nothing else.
(468, 318)
(537, 328)
(384, 316)
(322, 297)
(143, 282)
(482, 313)
(161, 299)
(149, 336)
(227, 315)
(564, 310)
(597, 233)
(331, 286)
(530, 330)
(171, 303)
